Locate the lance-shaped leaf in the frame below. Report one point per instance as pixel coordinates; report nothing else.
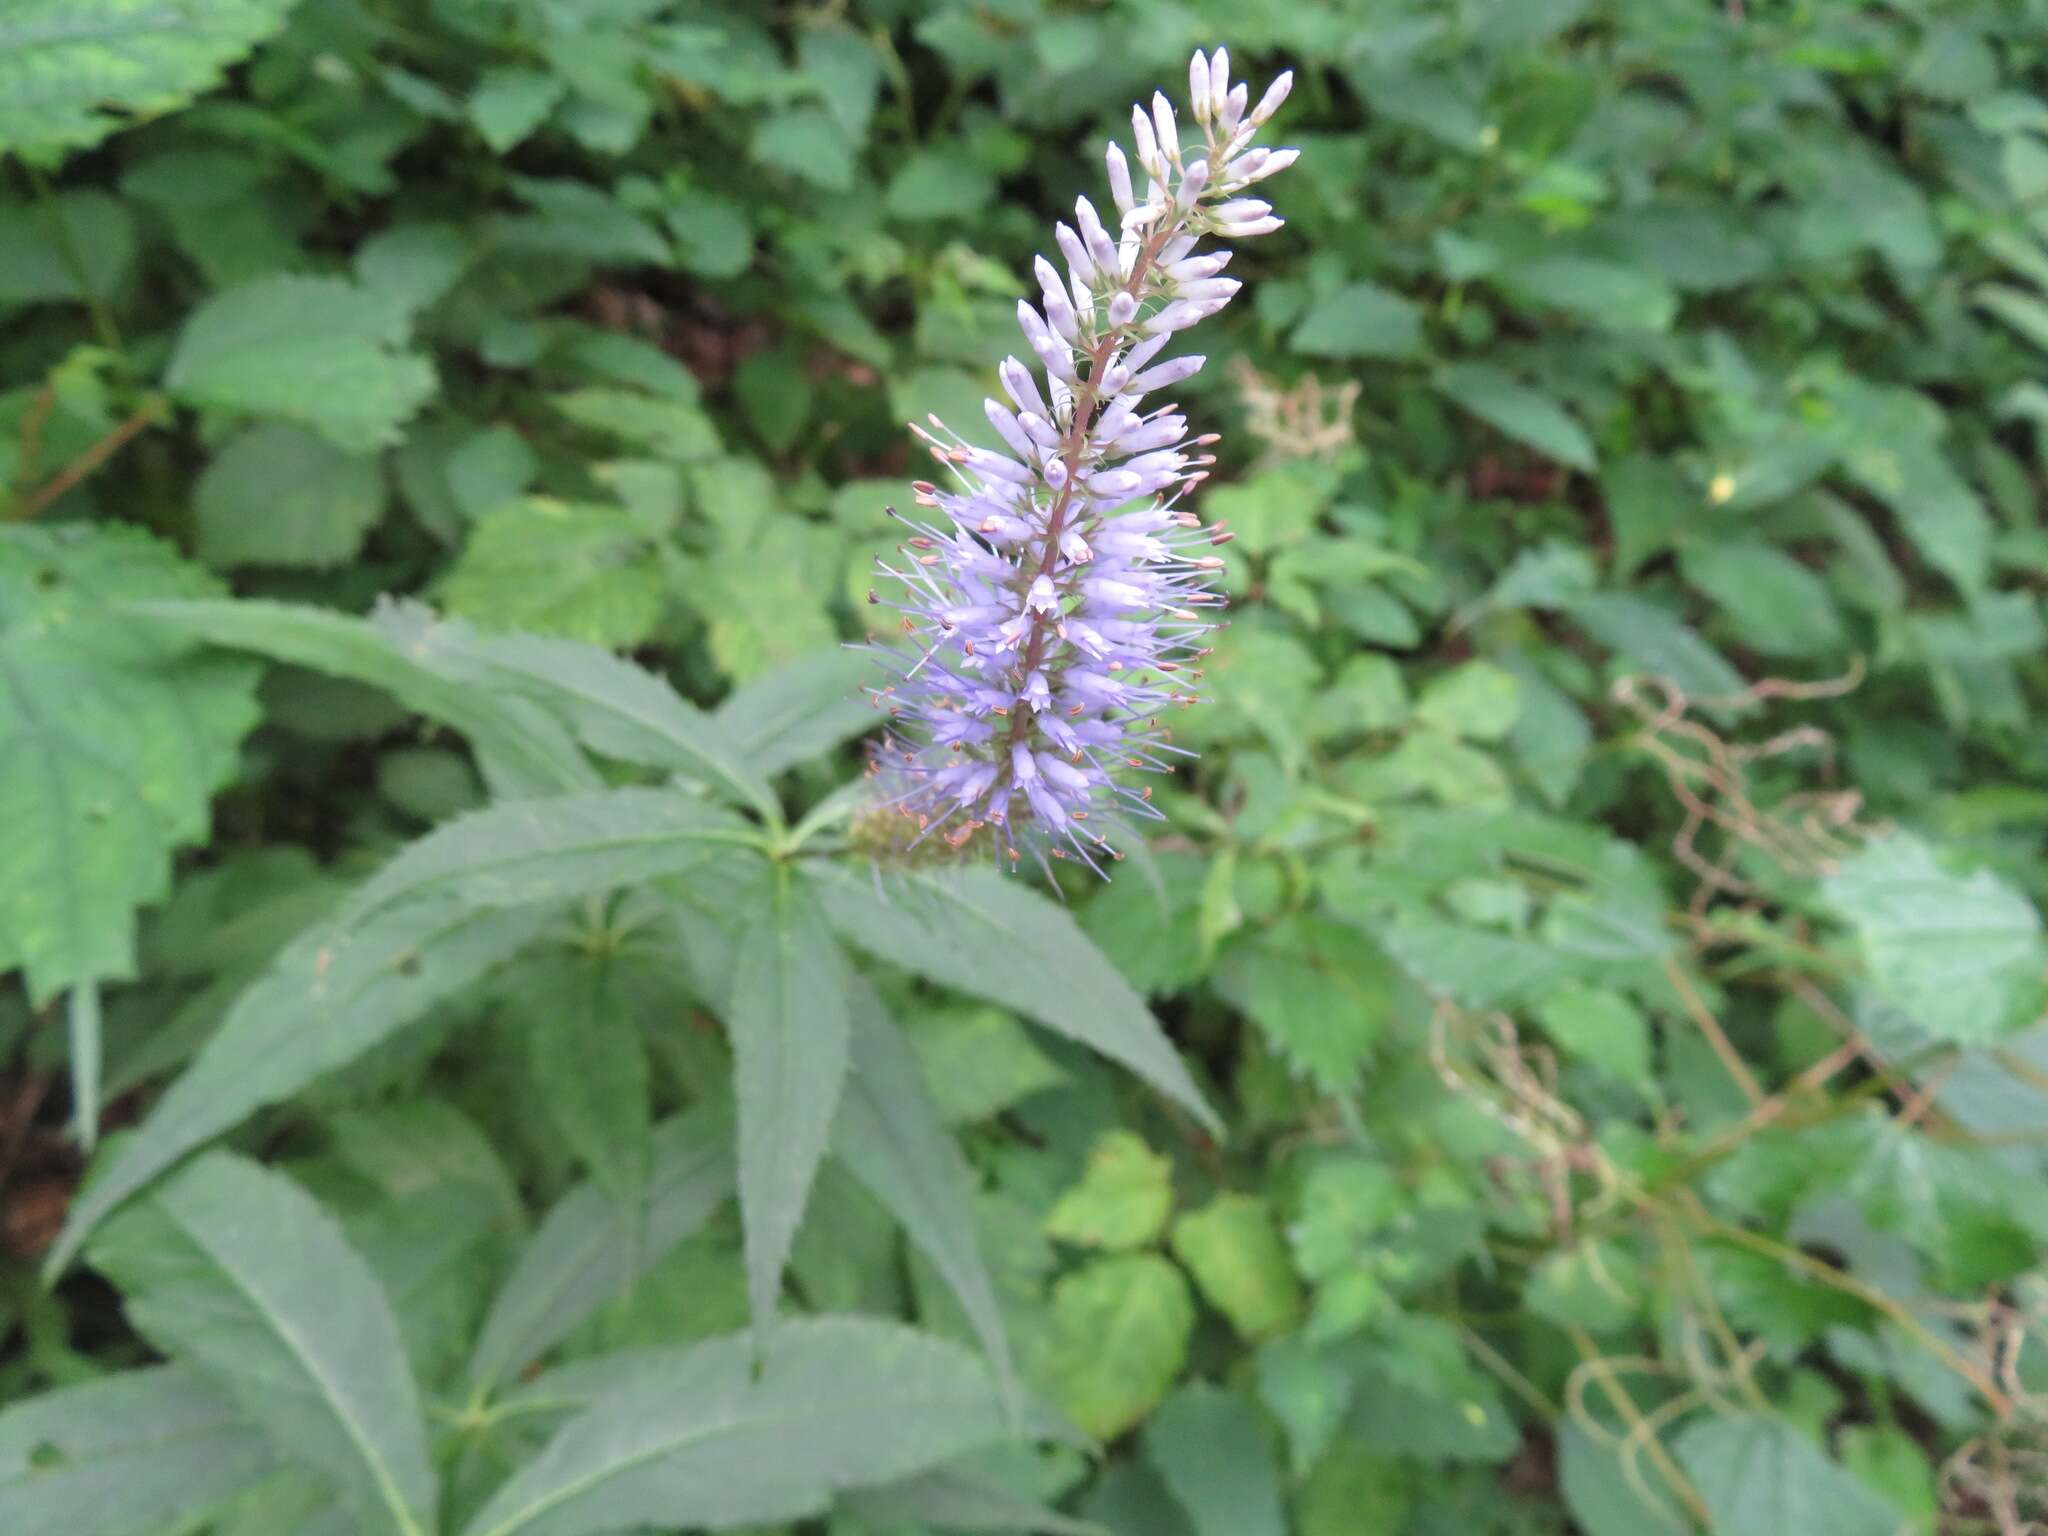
(984, 933)
(74, 71)
(799, 710)
(332, 995)
(525, 852)
(790, 1042)
(237, 1271)
(616, 709)
(522, 749)
(587, 1251)
(136, 1451)
(958, 1498)
(112, 743)
(889, 1133)
(730, 1434)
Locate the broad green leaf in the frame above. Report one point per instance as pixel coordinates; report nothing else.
(1419, 1396)
(1477, 701)
(1319, 992)
(806, 143)
(1601, 1495)
(1524, 414)
(1595, 1285)
(1234, 1251)
(1761, 1474)
(586, 1250)
(584, 572)
(1776, 604)
(408, 653)
(1890, 442)
(281, 495)
(1120, 1329)
(1308, 1389)
(799, 711)
(1652, 641)
(315, 350)
(509, 104)
(521, 852)
(790, 1028)
(40, 242)
(1960, 955)
(1601, 1028)
(887, 1131)
(333, 994)
(725, 1434)
(984, 933)
(113, 739)
(978, 1061)
(1122, 1201)
(236, 1269)
(74, 71)
(129, 1452)
(1206, 1443)
(1360, 320)
(1611, 296)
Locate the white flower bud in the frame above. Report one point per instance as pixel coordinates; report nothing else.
(1148, 145)
(1233, 108)
(1275, 94)
(1168, 373)
(1198, 86)
(1123, 309)
(1119, 178)
(1166, 127)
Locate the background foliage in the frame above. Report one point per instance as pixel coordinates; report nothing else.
(1603, 920)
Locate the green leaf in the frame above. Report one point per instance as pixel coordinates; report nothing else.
(1596, 1286)
(616, 709)
(1524, 414)
(791, 1041)
(523, 852)
(74, 71)
(1604, 1498)
(587, 1250)
(1308, 1389)
(1120, 1329)
(1612, 296)
(1959, 955)
(333, 994)
(1319, 992)
(1360, 320)
(1760, 1474)
(983, 933)
(1477, 701)
(799, 711)
(589, 1060)
(315, 350)
(235, 1268)
(806, 143)
(132, 1451)
(723, 1434)
(408, 652)
(1123, 1198)
(509, 104)
(1207, 1444)
(588, 573)
(1602, 1029)
(280, 495)
(1776, 604)
(1654, 641)
(978, 1061)
(938, 182)
(112, 742)
(72, 247)
(955, 1500)
(887, 1131)
(1234, 1252)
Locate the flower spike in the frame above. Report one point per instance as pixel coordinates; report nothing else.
(1059, 600)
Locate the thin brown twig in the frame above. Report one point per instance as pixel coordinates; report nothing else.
(89, 461)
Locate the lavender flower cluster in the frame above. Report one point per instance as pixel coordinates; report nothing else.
(1059, 606)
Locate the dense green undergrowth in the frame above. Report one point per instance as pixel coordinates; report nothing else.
(1572, 1061)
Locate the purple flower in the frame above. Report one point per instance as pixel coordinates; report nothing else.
(1059, 598)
